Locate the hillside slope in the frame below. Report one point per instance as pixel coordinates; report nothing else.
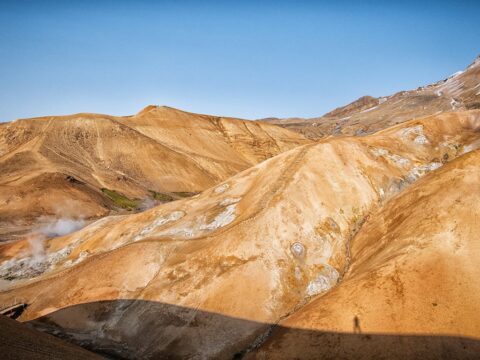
(411, 290)
(252, 249)
(367, 115)
(58, 166)
(19, 342)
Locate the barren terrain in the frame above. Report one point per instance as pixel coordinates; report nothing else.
(208, 276)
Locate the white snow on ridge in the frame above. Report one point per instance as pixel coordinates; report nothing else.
(417, 130)
(419, 171)
(220, 189)
(176, 215)
(396, 159)
(470, 147)
(421, 140)
(369, 109)
(454, 103)
(229, 201)
(325, 280)
(222, 219)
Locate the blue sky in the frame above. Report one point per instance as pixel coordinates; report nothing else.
(248, 59)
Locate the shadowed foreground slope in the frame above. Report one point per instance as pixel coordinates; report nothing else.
(187, 327)
(19, 342)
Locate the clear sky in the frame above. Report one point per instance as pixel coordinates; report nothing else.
(248, 59)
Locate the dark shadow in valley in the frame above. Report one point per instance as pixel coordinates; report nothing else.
(147, 329)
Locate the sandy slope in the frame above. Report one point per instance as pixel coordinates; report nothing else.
(412, 289)
(366, 115)
(253, 248)
(57, 165)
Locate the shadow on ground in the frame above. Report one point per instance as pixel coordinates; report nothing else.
(146, 329)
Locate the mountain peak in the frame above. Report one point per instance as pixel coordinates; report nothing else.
(362, 103)
(153, 108)
(147, 109)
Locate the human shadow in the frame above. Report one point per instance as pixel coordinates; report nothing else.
(356, 325)
(139, 329)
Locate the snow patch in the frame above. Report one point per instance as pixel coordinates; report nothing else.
(416, 130)
(369, 109)
(222, 219)
(229, 201)
(325, 280)
(82, 256)
(396, 159)
(220, 189)
(421, 140)
(452, 86)
(419, 171)
(192, 229)
(454, 103)
(379, 151)
(173, 216)
(186, 232)
(471, 147)
(297, 249)
(381, 192)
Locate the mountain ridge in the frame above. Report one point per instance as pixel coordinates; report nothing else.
(457, 92)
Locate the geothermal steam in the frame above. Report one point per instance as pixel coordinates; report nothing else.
(39, 261)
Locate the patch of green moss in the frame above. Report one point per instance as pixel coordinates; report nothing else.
(185, 193)
(121, 200)
(161, 196)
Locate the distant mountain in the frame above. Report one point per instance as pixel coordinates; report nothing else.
(461, 91)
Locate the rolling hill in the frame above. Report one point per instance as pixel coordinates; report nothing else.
(84, 166)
